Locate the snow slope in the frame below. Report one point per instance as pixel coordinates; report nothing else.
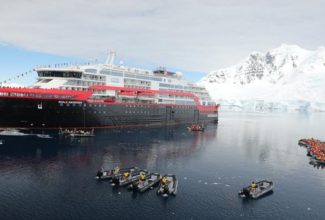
(285, 78)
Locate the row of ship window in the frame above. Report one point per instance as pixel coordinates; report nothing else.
(83, 83)
(147, 112)
(93, 77)
(134, 76)
(34, 95)
(126, 112)
(186, 88)
(139, 112)
(136, 82)
(127, 106)
(138, 87)
(65, 74)
(148, 106)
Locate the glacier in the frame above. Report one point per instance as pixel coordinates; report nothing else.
(287, 78)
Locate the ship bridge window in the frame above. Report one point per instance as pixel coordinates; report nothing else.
(65, 74)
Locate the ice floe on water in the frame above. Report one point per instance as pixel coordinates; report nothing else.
(206, 182)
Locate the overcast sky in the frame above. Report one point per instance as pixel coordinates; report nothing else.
(191, 35)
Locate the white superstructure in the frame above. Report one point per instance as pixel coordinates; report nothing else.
(83, 76)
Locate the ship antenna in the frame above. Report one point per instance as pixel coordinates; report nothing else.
(110, 57)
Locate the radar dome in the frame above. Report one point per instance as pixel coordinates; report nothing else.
(179, 74)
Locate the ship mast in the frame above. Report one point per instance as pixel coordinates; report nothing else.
(110, 57)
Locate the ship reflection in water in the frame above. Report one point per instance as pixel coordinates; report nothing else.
(153, 149)
(54, 178)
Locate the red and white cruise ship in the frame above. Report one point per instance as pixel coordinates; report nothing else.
(105, 95)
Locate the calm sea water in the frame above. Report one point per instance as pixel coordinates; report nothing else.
(54, 178)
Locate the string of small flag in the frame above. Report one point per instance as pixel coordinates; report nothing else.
(21, 75)
(16, 77)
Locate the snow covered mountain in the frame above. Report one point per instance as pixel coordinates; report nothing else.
(285, 78)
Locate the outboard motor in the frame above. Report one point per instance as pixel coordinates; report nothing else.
(135, 185)
(99, 174)
(246, 192)
(165, 189)
(116, 180)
